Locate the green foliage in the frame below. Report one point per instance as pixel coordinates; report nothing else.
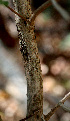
(4, 2)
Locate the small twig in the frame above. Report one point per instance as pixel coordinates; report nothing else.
(40, 9)
(47, 117)
(65, 98)
(17, 13)
(53, 100)
(61, 10)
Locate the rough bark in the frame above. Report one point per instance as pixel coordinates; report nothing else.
(29, 50)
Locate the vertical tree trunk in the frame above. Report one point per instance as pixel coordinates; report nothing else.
(29, 50)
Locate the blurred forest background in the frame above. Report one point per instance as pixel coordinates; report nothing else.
(53, 39)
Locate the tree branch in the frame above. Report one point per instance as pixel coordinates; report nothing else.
(29, 51)
(61, 102)
(40, 9)
(53, 100)
(65, 98)
(16, 13)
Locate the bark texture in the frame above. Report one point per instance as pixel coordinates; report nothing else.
(29, 50)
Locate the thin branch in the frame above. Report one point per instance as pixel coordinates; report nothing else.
(53, 100)
(61, 102)
(40, 9)
(61, 10)
(17, 13)
(65, 98)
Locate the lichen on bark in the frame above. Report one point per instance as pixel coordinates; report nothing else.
(29, 50)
